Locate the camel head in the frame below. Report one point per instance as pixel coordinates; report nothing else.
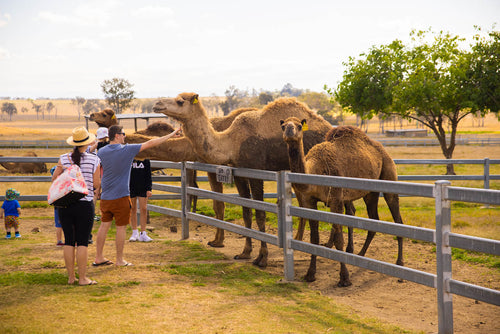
(104, 118)
(293, 129)
(180, 108)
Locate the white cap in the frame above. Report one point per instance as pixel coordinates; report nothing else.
(102, 133)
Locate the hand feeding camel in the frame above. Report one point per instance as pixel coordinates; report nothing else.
(181, 149)
(25, 167)
(349, 152)
(250, 142)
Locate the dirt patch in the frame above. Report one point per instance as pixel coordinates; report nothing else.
(408, 305)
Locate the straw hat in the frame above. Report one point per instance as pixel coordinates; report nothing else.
(80, 137)
(102, 133)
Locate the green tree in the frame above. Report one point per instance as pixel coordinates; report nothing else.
(92, 105)
(118, 94)
(265, 98)
(433, 82)
(9, 108)
(39, 108)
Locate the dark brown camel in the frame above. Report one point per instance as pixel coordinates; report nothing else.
(252, 141)
(349, 152)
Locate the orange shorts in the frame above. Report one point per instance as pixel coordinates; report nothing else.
(118, 208)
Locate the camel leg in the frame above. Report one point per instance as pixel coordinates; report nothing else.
(336, 206)
(257, 187)
(371, 201)
(314, 239)
(351, 211)
(244, 191)
(191, 176)
(218, 209)
(302, 222)
(392, 201)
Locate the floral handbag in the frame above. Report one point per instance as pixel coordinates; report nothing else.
(68, 188)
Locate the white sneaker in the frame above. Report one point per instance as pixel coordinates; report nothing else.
(134, 237)
(144, 237)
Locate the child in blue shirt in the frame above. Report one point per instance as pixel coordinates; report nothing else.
(11, 211)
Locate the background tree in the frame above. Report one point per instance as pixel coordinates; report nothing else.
(265, 98)
(79, 101)
(233, 99)
(435, 83)
(39, 108)
(92, 105)
(50, 106)
(118, 94)
(289, 90)
(9, 108)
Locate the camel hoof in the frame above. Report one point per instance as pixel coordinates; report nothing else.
(215, 244)
(343, 284)
(328, 245)
(241, 257)
(260, 262)
(309, 278)
(400, 280)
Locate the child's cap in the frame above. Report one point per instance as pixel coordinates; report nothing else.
(11, 194)
(52, 170)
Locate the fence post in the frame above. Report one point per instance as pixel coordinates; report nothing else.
(486, 173)
(285, 224)
(184, 203)
(443, 257)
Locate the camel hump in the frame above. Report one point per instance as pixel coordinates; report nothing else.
(344, 131)
(157, 129)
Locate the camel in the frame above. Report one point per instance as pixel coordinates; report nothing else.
(25, 167)
(181, 149)
(106, 117)
(252, 141)
(349, 152)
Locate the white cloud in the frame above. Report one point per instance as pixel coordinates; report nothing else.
(78, 44)
(156, 14)
(118, 35)
(4, 54)
(54, 18)
(4, 19)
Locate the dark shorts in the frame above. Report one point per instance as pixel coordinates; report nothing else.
(76, 221)
(138, 193)
(116, 208)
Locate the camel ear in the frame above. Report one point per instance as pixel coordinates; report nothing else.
(281, 122)
(194, 99)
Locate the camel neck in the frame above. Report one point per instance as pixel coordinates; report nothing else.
(297, 162)
(207, 143)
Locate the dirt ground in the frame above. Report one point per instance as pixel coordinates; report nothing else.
(408, 305)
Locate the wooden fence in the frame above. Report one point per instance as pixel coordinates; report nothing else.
(442, 193)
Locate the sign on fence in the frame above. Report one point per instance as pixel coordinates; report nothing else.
(224, 174)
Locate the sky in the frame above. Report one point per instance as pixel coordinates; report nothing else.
(67, 48)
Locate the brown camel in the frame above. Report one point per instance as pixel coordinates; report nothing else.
(106, 118)
(181, 149)
(25, 167)
(349, 152)
(252, 141)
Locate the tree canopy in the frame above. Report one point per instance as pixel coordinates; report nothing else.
(433, 82)
(118, 93)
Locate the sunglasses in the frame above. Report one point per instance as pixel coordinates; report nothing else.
(121, 133)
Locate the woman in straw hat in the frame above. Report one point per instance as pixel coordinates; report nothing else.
(77, 219)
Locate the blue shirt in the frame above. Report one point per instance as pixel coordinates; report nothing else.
(116, 161)
(10, 208)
